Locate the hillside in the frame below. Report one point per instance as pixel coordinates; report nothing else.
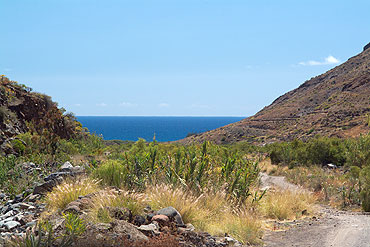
(335, 103)
(22, 110)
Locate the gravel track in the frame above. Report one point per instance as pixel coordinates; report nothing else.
(331, 228)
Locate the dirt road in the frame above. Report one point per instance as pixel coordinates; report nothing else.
(331, 228)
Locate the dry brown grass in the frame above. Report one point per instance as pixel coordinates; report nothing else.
(210, 212)
(69, 191)
(267, 167)
(284, 205)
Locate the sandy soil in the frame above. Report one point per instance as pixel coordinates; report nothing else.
(331, 228)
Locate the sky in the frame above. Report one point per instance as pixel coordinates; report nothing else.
(175, 57)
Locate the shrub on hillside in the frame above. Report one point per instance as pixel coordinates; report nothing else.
(365, 192)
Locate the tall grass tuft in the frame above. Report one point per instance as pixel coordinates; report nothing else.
(69, 191)
(284, 205)
(105, 199)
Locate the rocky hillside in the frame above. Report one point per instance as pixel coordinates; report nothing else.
(22, 110)
(336, 103)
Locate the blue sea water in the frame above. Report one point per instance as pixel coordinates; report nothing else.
(164, 128)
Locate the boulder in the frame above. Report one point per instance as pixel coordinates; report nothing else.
(123, 228)
(171, 212)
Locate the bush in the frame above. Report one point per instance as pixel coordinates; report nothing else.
(18, 146)
(365, 193)
(112, 173)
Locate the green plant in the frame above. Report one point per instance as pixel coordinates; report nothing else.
(112, 173)
(74, 227)
(365, 192)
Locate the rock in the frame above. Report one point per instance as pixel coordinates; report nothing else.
(7, 215)
(74, 209)
(124, 228)
(56, 175)
(149, 216)
(172, 213)
(33, 197)
(2, 196)
(160, 218)
(11, 224)
(9, 202)
(66, 166)
(331, 166)
(18, 198)
(30, 224)
(47, 186)
(120, 213)
(21, 205)
(232, 242)
(151, 229)
(103, 227)
(5, 209)
(139, 220)
(366, 46)
(190, 227)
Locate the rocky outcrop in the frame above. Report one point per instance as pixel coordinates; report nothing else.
(22, 109)
(367, 46)
(66, 170)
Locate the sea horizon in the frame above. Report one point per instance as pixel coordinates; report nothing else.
(164, 128)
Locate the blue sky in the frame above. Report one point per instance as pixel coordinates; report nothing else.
(175, 57)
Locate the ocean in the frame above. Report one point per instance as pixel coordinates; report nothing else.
(164, 128)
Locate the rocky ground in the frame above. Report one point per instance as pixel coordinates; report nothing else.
(330, 228)
(19, 216)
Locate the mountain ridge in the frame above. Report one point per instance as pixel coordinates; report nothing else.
(335, 103)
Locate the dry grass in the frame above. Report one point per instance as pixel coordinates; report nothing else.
(267, 167)
(99, 212)
(284, 205)
(210, 212)
(69, 191)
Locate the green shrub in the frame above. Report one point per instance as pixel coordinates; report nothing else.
(18, 146)
(365, 192)
(112, 173)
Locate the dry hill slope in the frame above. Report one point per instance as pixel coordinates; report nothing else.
(335, 103)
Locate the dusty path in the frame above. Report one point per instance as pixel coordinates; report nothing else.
(331, 228)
